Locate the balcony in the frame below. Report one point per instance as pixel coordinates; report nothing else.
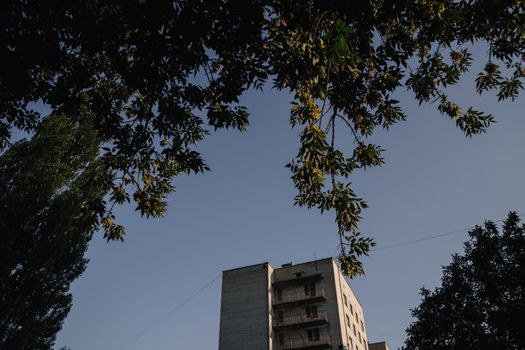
(304, 343)
(289, 280)
(298, 298)
(300, 320)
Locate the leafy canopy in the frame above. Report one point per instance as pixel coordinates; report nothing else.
(46, 184)
(155, 77)
(481, 301)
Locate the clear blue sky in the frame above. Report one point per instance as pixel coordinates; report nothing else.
(435, 180)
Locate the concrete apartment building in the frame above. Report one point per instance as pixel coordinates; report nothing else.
(303, 306)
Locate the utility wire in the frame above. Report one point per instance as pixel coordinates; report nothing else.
(424, 239)
(164, 317)
(439, 235)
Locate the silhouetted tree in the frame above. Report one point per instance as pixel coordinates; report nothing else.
(46, 184)
(156, 77)
(481, 301)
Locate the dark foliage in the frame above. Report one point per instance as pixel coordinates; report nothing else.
(155, 77)
(45, 185)
(481, 301)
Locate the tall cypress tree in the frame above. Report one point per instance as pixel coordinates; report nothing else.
(46, 186)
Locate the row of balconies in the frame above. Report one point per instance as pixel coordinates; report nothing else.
(303, 320)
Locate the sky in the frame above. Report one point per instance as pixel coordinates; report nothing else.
(134, 295)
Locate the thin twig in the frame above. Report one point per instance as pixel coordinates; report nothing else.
(332, 175)
(356, 137)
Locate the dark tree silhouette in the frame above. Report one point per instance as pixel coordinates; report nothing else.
(481, 301)
(45, 184)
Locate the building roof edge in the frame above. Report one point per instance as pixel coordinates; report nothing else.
(245, 267)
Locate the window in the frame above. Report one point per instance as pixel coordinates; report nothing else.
(362, 326)
(313, 334)
(309, 289)
(351, 309)
(349, 343)
(355, 333)
(299, 274)
(359, 333)
(280, 316)
(281, 339)
(279, 293)
(345, 300)
(311, 311)
(347, 321)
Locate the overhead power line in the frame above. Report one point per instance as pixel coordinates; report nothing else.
(164, 317)
(427, 238)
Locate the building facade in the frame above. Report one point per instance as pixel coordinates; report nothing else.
(303, 306)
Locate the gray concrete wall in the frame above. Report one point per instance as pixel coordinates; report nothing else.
(352, 308)
(245, 308)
